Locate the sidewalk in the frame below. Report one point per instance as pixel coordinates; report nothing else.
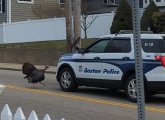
(18, 67)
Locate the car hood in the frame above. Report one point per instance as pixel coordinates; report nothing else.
(67, 56)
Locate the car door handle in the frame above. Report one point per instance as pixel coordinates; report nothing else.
(96, 58)
(126, 58)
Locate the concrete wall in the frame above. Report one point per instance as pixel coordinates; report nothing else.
(41, 30)
(35, 56)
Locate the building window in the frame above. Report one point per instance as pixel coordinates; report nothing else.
(62, 3)
(109, 2)
(158, 0)
(25, 1)
(112, 2)
(105, 2)
(118, 1)
(0, 6)
(146, 1)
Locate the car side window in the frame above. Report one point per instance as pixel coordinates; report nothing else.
(98, 47)
(119, 46)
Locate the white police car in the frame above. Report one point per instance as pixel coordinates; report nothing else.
(109, 63)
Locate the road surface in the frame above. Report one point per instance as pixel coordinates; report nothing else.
(85, 104)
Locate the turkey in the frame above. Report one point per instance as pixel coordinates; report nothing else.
(33, 74)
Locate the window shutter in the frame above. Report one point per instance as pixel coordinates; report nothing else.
(3, 6)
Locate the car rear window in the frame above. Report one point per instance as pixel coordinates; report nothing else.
(153, 45)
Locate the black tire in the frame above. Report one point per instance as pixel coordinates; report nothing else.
(67, 80)
(132, 93)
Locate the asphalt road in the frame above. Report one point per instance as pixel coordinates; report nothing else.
(85, 104)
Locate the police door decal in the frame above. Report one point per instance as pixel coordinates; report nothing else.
(89, 70)
(111, 72)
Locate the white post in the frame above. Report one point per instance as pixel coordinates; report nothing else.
(19, 115)
(47, 117)
(8, 11)
(6, 113)
(33, 116)
(1, 88)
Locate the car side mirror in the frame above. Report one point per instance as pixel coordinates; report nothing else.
(82, 50)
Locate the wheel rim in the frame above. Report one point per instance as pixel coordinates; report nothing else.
(132, 89)
(66, 79)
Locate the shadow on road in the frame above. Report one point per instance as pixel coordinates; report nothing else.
(101, 92)
(118, 95)
(157, 99)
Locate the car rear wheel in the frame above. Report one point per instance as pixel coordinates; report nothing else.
(67, 80)
(131, 89)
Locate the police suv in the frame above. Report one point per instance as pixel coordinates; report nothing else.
(109, 63)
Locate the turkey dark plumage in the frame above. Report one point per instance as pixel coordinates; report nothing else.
(33, 74)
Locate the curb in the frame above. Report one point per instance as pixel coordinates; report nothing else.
(14, 69)
(1, 88)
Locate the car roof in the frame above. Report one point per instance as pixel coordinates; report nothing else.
(143, 36)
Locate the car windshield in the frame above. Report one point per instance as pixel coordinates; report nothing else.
(153, 45)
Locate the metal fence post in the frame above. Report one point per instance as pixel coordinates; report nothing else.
(138, 61)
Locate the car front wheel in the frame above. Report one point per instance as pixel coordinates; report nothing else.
(67, 80)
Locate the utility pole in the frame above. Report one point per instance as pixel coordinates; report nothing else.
(77, 22)
(69, 34)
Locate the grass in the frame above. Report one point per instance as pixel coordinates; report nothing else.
(56, 44)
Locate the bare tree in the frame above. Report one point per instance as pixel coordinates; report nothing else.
(85, 9)
(46, 9)
(85, 25)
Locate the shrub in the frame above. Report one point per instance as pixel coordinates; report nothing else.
(123, 18)
(159, 23)
(154, 19)
(146, 20)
